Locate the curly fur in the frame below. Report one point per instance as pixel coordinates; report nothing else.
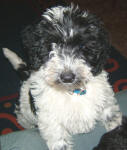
(71, 43)
(115, 139)
(79, 31)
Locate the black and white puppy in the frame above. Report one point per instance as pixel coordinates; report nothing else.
(115, 139)
(67, 50)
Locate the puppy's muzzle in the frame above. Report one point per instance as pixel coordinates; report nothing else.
(67, 77)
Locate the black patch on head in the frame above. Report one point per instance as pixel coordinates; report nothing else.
(90, 40)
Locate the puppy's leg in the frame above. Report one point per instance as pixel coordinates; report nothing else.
(111, 117)
(57, 137)
(23, 121)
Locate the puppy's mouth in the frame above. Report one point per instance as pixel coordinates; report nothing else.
(72, 88)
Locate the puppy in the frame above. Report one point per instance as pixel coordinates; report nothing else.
(115, 139)
(65, 90)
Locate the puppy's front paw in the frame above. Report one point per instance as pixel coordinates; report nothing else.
(60, 145)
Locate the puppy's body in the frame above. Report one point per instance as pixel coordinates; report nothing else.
(67, 50)
(61, 114)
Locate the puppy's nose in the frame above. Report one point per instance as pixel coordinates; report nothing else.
(67, 77)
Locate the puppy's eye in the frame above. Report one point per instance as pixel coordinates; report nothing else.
(92, 27)
(91, 44)
(82, 46)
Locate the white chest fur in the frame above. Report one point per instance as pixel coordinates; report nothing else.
(73, 112)
(76, 113)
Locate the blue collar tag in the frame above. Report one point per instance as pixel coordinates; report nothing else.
(79, 91)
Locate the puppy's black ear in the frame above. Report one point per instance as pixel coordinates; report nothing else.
(18, 64)
(36, 42)
(101, 60)
(101, 53)
(28, 37)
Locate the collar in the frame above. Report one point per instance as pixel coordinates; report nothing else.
(79, 91)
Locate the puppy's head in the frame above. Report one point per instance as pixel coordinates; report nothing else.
(67, 46)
